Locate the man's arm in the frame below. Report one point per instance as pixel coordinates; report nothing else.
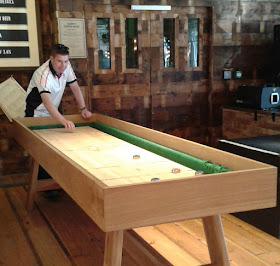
(80, 99)
(46, 98)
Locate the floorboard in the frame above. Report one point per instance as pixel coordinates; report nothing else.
(60, 233)
(15, 247)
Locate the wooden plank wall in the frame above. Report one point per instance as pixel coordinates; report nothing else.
(151, 95)
(246, 45)
(243, 123)
(185, 103)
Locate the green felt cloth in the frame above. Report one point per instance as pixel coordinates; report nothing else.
(176, 156)
(59, 126)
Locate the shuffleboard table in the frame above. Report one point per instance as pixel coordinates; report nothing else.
(121, 185)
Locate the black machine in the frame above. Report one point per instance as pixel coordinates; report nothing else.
(258, 97)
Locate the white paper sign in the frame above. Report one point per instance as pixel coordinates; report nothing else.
(72, 34)
(12, 99)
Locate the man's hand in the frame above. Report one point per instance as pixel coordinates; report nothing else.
(46, 98)
(86, 114)
(68, 124)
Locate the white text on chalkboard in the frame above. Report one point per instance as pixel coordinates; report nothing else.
(5, 51)
(5, 18)
(11, 2)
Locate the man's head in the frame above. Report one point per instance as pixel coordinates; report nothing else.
(59, 49)
(59, 57)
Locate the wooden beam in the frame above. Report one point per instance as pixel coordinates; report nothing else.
(32, 187)
(47, 184)
(14, 180)
(215, 239)
(113, 248)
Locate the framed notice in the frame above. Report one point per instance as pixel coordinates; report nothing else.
(18, 34)
(72, 34)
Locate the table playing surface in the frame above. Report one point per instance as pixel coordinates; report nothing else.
(112, 160)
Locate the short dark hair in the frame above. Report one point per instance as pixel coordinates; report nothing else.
(59, 49)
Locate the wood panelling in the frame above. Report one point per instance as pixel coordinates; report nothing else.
(245, 123)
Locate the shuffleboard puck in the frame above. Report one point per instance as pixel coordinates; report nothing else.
(198, 172)
(176, 170)
(155, 179)
(136, 156)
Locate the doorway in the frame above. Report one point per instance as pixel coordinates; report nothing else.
(150, 67)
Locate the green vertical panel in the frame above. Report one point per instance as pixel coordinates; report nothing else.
(131, 42)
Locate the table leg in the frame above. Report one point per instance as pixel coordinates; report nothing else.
(215, 239)
(32, 187)
(113, 248)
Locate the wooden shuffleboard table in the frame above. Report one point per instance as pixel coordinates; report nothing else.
(123, 186)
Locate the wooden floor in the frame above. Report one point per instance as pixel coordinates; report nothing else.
(60, 233)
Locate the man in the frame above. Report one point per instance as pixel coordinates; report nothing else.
(47, 85)
(45, 91)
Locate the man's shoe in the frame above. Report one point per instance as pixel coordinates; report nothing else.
(51, 194)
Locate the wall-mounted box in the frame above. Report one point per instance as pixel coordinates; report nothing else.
(237, 74)
(227, 74)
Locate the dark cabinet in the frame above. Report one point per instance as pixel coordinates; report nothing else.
(264, 149)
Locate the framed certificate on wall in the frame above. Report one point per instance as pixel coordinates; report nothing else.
(18, 34)
(72, 34)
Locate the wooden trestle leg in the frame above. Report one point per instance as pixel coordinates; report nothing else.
(32, 187)
(215, 240)
(113, 248)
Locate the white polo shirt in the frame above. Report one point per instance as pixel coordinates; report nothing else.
(46, 80)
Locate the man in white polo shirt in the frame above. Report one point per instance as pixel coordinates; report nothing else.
(47, 85)
(45, 91)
